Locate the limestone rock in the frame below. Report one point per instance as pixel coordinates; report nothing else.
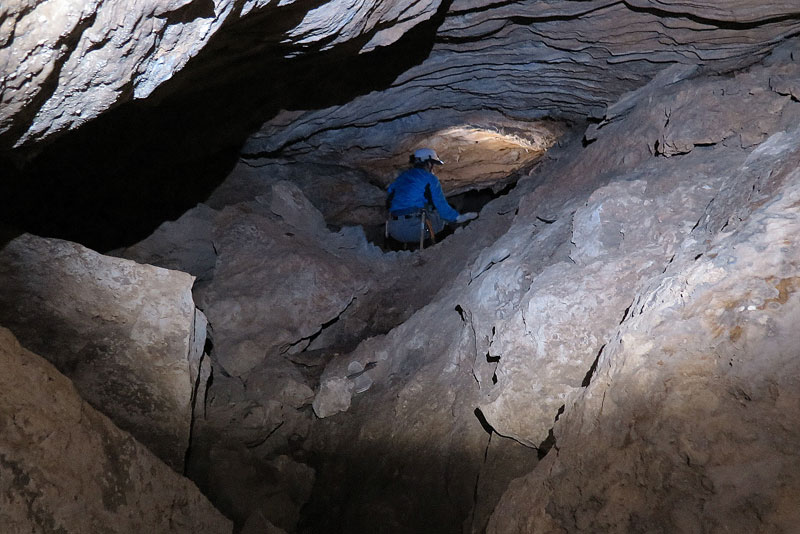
(343, 195)
(632, 297)
(690, 414)
(64, 467)
(66, 63)
(183, 245)
(127, 335)
(273, 287)
(576, 64)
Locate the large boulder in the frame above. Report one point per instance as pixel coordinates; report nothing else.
(128, 335)
(65, 467)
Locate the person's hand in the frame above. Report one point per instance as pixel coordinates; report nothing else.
(464, 217)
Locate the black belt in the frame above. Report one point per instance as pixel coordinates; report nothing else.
(406, 216)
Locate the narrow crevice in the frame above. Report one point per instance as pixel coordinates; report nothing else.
(482, 420)
(668, 264)
(193, 412)
(590, 373)
(310, 339)
(625, 313)
(720, 24)
(550, 441)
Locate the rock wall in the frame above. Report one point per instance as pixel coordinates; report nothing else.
(127, 335)
(67, 62)
(633, 324)
(64, 467)
(690, 417)
(496, 62)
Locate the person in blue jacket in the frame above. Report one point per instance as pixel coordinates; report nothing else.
(415, 190)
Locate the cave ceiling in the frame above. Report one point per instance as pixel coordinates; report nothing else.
(165, 97)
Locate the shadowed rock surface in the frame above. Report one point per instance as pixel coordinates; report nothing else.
(127, 335)
(64, 467)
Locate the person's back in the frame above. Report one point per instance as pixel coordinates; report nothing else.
(415, 192)
(418, 188)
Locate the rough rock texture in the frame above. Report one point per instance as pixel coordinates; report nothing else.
(128, 335)
(67, 62)
(646, 261)
(343, 195)
(66, 468)
(636, 293)
(495, 62)
(274, 279)
(692, 413)
(704, 357)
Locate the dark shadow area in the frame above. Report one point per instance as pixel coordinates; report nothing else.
(114, 180)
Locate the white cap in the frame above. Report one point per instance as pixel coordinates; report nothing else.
(427, 154)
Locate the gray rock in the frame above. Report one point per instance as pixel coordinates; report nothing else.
(64, 467)
(274, 286)
(126, 334)
(687, 415)
(66, 64)
(183, 245)
(578, 64)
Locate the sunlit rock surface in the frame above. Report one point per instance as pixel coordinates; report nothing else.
(64, 467)
(127, 335)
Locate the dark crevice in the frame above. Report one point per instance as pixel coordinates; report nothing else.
(625, 314)
(324, 326)
(550, 441)
(520, 20)
(588, 378)
(719, 24)
(482, 420)
(668, 264)
(196, 9)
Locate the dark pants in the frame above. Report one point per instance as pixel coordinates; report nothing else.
(406, 228)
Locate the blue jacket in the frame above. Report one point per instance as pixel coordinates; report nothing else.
(408, 193)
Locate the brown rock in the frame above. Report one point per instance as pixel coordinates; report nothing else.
(66, 468)
(128, 335)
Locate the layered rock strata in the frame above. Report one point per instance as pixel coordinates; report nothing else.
(65, 467)
(65, 63)
(494, 62)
